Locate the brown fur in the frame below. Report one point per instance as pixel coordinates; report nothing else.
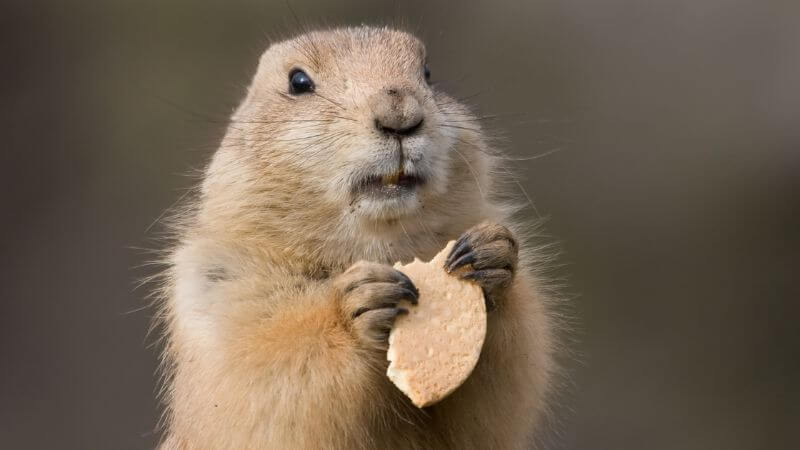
(262, 348)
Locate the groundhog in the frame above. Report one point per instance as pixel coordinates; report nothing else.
(341, 160)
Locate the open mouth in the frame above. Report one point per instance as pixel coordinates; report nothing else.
(393, 185)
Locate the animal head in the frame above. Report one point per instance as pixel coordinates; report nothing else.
(346, 122)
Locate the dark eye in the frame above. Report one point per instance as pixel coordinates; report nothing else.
(299, 82)
(427, 71)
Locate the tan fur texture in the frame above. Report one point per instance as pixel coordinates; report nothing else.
(265, 348)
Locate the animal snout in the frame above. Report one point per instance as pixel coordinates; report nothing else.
(397, 112)
(398, 130)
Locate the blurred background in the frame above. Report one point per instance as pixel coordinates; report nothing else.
(670, 176)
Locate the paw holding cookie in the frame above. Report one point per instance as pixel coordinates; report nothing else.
(492, 254)
(370, 295)
(436, 345)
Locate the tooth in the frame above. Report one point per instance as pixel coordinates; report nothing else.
(391, 179)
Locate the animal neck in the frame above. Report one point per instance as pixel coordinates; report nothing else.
(315, 237)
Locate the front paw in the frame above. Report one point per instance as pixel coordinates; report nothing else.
(492, 252)
(370, 296)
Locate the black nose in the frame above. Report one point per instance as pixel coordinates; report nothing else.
(398, 131)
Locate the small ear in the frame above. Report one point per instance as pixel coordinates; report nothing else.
(215, 273)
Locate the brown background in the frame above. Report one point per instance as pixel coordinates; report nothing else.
(674, 196)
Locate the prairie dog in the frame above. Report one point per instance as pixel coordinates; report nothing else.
(341, 160)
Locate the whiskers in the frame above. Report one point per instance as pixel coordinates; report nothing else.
(467, 131)
(338, 105)
(472, 171)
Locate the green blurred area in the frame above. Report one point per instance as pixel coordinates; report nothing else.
(670, 179)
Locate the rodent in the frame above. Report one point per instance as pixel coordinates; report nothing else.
(279, 292)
